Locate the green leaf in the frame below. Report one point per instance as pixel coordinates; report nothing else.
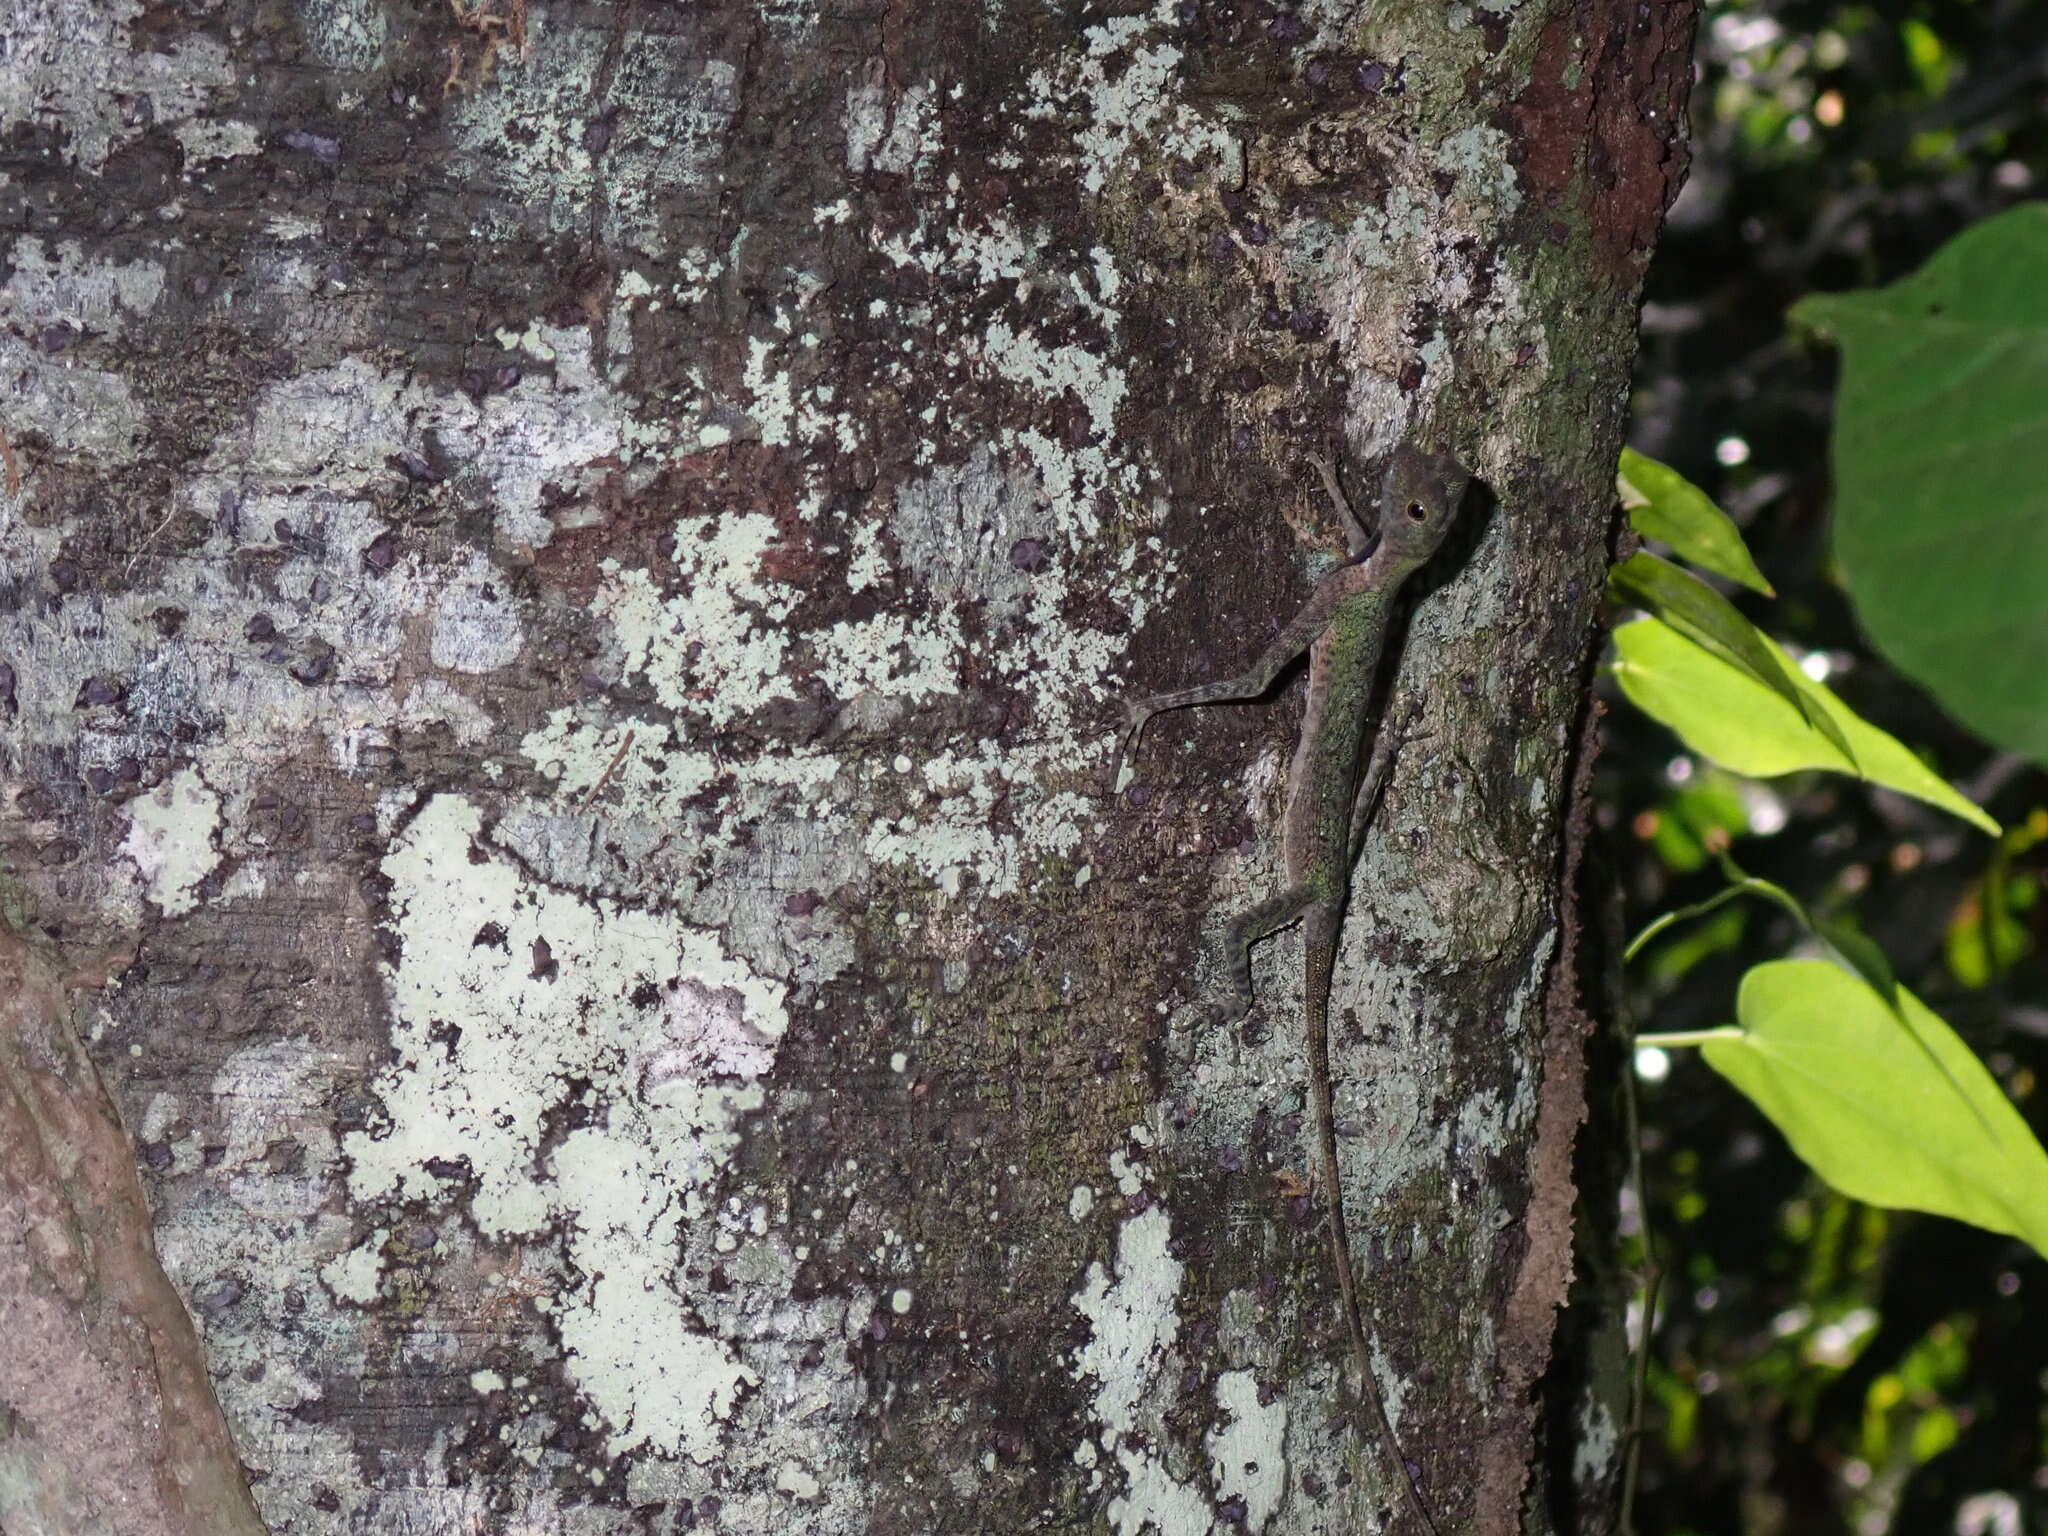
(1662, 504)
(1704, 616)
(1940, 455)
(1723, 713)
(1890, 1107)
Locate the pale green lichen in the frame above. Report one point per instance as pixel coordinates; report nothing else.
(171, 840)
(625, 1188)
(1248, 1452)
(1129, 1358)
(78, 69)
(681, 103)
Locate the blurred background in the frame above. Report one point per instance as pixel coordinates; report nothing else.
(1819, 1365)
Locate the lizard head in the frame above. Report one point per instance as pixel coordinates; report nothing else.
(1420, 502)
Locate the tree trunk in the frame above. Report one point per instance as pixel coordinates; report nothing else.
(569, 573)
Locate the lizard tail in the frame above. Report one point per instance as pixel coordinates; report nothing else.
(1323, 926)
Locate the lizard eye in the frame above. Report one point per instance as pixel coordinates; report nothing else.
(1417, 513)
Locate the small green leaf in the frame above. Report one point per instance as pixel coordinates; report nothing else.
(1704, 616)
(1662, 504)
(1890, 1107)
(1723, 713)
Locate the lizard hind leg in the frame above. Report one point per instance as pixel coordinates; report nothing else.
(1246, 929)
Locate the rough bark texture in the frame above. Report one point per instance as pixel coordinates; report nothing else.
(567, 572)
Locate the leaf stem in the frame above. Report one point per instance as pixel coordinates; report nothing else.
(1691, 1036)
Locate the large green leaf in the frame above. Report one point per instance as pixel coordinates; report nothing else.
(1941, 471)
(1724, 714)
(1889, 1107)
(1662, 504)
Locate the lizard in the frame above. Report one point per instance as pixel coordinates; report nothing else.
(1330, 800)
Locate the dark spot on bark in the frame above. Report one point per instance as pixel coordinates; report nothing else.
(156, 1155)
(98, 691)
(381, 553)
(220, 1293)
(7, 702)
(506, 377)
(1411, 376)
(316, 666)
(424, 1238)
(1028, 555)
(646, 995)
(1371, 77)
(544, 966)
(597, 135)
(414, 467)
(801, 904)
(260, 629)
(325, 1499)
(64, 574)
(490, 936)
(168, 621)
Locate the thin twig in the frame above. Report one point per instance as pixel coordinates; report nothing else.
(605, 778)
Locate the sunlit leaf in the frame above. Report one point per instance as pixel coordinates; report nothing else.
(1662, 504)
(1708, 619)
(1722, 713)
(1887, 1105)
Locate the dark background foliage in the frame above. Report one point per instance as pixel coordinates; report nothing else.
(1820, 1366)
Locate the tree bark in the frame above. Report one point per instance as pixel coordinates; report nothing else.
(568, 576)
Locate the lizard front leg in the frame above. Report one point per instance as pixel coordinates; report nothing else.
(1297, 637)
